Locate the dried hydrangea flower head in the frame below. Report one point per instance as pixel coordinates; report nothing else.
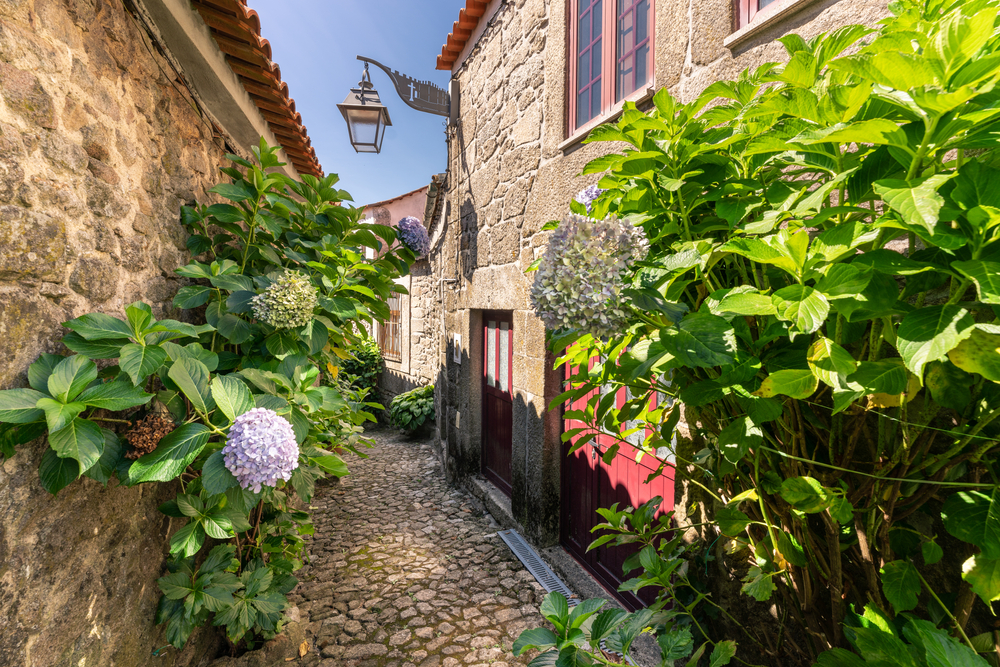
(583, 272)
(588, 195)
(261, 449)
(413, 235)
(287, 303)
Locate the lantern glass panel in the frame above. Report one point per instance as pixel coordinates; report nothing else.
(364, 125)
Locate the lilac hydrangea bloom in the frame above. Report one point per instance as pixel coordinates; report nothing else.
(583, 272)
(414, 236)
(261, 449)
(588, 195)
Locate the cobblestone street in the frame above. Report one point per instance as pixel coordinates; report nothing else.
(407, 572)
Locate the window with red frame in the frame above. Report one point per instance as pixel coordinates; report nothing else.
(746, 11)
(611, 54)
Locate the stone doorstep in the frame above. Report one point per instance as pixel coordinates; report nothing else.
(495, 502)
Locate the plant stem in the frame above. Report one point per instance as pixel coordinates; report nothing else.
(958, 626)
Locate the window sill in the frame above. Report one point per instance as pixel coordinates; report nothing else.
(764, 20)
(613, 114)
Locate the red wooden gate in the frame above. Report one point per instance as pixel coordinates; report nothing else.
(498, 397)
(588, 483)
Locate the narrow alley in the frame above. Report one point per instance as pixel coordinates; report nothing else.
(407, 572)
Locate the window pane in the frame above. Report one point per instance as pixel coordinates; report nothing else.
(761, 4)
(583, 107)
(597, 14)
(595, 60)
(595, 99)
(504, 379)
(491, 353)
(633, 52)
(583, 70)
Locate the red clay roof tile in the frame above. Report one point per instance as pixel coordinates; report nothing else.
(468, 19)
(236, 29)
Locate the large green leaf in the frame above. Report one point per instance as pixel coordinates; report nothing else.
(758, 584)
(792, 382)
(113, 453)
(188, 540)
(231, 396)
(939, 649)
(192, 296)
(880, 648)
(234, 328)
(98, 326)
(215, 477)
(880, 377)
(172, 456)
(928, 334)
(738, 437)
(41, 369)
(701, 340)
(917, 201)
(332, 464)
(18, 406)
(141, 361)
(979, 353)
(985, 274)
(80, 439)
(973, 516)
(806, 494)
(117, 395)
(827, 360)
(732, 522)
(949, 385)
(983, 574)
(805, 307)
(70, 377)
(723, 652)
(58, 414)
(192, 377)
(192, 351)
(105, 348)
(57, 473)
(901, 585)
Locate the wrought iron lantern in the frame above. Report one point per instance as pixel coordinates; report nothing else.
(366, 116)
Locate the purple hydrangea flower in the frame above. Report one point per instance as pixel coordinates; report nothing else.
(583, 272)
(261, 449)
(588, 195)
(414, 236)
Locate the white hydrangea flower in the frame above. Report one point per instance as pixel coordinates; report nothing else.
(583, 273)
(287, 303)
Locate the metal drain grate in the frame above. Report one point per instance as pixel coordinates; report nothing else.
(536, 566)
(542, 573)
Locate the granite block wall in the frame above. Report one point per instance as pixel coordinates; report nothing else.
(100, 145)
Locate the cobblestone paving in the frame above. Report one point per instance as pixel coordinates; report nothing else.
(405, 572)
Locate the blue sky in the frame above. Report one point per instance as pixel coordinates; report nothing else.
(316, 44)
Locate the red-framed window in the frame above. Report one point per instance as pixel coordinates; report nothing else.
(747, 10)
(611, 55)
(390, 334)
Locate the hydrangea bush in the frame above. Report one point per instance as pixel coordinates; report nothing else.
(581, 276)
(413, 234)
(286, 303)
(261, 449)
(228, 411)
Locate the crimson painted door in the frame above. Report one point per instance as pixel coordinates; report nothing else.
(498, 397)
(588, 483)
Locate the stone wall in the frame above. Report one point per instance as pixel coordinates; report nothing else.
(99, 148)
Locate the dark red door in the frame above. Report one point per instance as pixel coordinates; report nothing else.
(498, 397)
(588, 483)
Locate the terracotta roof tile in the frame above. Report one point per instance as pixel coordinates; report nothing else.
(468, 19)
(236, 29)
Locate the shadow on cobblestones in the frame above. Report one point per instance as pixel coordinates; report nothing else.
(407, 572)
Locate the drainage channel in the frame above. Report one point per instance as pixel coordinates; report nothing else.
(542, 573)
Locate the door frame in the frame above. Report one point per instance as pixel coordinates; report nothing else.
(499, 316)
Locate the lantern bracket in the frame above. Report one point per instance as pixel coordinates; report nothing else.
(420, 95)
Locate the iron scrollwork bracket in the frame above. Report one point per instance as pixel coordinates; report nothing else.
(420, 95)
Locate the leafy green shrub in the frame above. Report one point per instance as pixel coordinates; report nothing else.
(362, 368)
(821, 296)
(285, 284)
(412, 409)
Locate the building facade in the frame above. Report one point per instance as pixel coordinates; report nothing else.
(535, 76)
